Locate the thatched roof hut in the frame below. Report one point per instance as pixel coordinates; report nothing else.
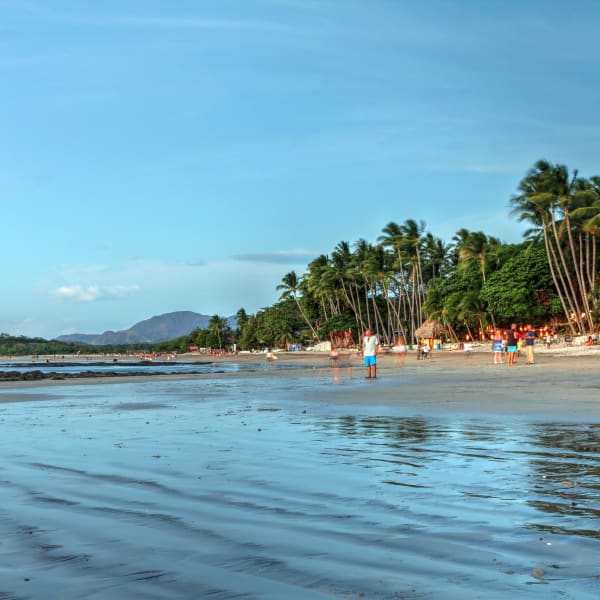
(431, 329)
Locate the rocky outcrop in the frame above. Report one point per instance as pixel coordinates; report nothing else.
(54, 375)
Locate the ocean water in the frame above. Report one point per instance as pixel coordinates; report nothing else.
(286, 487)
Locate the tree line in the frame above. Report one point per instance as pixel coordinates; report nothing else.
(27, 346)
(472, 284)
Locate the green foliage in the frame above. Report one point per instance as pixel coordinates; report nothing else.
(522, 290)
(410, 275)
(280, 324)
(338, 323)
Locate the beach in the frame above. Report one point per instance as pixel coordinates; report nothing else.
(449, 477)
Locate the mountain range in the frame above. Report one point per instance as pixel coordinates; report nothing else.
(156, 329)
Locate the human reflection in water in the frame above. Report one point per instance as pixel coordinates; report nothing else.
(341, 363)
(334, 361)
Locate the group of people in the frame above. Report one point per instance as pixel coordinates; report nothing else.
(511, 343)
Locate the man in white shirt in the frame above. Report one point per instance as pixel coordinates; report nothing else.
(370, 346)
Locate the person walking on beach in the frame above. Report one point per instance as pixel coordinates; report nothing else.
(370, 346)
(529, 341)
(400, 350)
(511, 344)
(497, 347)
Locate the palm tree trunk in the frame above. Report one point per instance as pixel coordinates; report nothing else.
(315, 334)
(563, 263)
(584, 282)
(551, 264)
(578, 267)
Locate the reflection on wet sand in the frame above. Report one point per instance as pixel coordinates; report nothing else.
(231, 491)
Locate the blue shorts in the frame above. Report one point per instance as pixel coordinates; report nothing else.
(512, 348)
(370, 361)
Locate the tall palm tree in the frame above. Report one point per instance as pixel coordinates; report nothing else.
(217, 326)
(342, 263)
(290, 285)
(538, 202)
(586, 216)
(436, 256)
(315, 283)
(393, 238)
(363, 267)
(413, 238)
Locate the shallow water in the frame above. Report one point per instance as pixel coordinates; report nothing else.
(145, 367)
(272, 488)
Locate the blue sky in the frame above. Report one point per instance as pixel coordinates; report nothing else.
(186, 154)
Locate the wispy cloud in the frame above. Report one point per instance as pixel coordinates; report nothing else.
(293, 257)
(196, 263)
(91, 293)
(144, 21)
(80, 270)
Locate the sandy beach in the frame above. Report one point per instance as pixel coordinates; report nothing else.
(445, 478)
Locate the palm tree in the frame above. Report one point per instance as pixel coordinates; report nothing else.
(393, 238)
(217, 327)
(290, 284)
(412, 233)
(588, 214)
(362, 266)
(436, 255)
(342, 264)
(320, 283)
(478, 246)
(539, 202)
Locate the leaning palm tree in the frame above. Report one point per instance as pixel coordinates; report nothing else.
(290, 285)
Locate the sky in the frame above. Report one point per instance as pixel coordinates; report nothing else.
(165, 155)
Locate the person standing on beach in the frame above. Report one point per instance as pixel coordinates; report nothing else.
(529, 341)
(370, 346)
(511, 344)
(497, 347)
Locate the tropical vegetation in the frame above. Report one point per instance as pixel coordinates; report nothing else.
(472, 283)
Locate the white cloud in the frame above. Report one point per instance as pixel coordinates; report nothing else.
(90, 293)
(292, 257)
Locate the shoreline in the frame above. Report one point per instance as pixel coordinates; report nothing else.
(560, 385)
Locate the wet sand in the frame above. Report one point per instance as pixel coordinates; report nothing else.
(447, 478)
(563, 383)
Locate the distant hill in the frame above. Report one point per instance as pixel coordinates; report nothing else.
(156, 329)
